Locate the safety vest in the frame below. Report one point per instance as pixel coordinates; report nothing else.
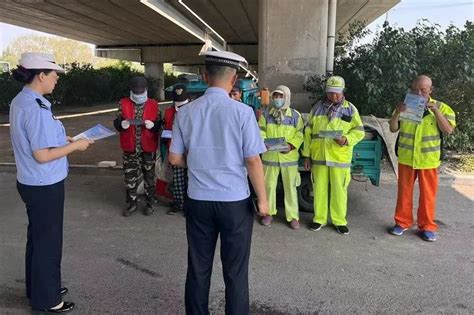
(291, 128)
(149, 139)
(168, 119)
(419, 145)
(323, 150)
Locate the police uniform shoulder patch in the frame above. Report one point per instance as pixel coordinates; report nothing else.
(41, 104)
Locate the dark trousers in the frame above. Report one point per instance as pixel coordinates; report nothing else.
(45, 209)
(205, 220)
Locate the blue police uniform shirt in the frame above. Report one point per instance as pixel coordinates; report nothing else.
(216, 134)
(33, 127)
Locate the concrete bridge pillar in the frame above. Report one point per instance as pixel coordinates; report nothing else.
(292, 45)
(155, 70)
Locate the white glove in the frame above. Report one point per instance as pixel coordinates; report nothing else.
(149, 124)
(125, 124)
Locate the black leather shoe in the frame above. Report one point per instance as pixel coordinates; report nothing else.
(64, 291)
(67, 306)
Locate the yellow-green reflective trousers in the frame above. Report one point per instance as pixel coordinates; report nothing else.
(291, 179)
(330, 193)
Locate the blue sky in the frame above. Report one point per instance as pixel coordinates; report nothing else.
(443, 12)
(405, 14)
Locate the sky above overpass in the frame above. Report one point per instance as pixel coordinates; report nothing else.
(405, 14)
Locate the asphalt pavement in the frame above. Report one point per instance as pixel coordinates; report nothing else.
(137, 265)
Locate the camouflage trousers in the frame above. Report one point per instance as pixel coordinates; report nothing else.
(133, 164)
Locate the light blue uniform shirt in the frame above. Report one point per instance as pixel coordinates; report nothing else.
(216, 134)
(33, 128)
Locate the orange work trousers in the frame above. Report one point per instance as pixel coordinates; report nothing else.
(428, 182)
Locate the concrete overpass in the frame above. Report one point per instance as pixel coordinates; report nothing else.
(286, 39)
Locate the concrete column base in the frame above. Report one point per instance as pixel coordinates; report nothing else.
(155, 71)
(292, 45)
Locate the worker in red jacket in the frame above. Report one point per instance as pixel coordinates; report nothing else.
(180, 176)
(138, 121)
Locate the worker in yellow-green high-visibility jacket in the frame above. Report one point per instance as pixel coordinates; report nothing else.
(419, 152)
(282, 129)
(333, 129)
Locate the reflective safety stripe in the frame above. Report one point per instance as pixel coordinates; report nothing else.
(283, 123)
(361, 128)
(280, 164)
(407, 135)
(430, 138)
(329, 163)
(431, 149)
(316, 136)
(293, 121)
(405, 146)
(450, 117)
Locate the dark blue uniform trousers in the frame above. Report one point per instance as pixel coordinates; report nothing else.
(205, 221)
(45, 209)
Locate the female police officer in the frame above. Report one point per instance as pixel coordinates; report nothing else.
(40, 147)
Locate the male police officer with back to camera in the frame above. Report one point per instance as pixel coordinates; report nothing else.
(218, 139)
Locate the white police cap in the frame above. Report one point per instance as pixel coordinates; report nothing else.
(224, 58)
(39, 61)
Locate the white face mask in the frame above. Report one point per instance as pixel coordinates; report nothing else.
(177, 105)
(139, 98)
(278, 102)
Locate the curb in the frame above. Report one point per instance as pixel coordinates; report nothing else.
(444, 179)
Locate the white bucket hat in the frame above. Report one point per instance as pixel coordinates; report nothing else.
(39, 61)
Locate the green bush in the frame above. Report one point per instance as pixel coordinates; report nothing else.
(9, 87)
(379, 73)
(84, 85)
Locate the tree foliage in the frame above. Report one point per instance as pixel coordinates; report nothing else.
(85, 85)
(64, 50)
(88, 80)
(379, 72)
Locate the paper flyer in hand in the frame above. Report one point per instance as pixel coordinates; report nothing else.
(332, 134)
(135, 122)
(276, 144)
(95, 133)
(166, 134)
(415, 107)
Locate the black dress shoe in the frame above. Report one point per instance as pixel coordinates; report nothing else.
(64, 291)
(67, 306)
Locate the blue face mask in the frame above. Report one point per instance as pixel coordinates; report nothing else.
(278, 102)
(139, 98)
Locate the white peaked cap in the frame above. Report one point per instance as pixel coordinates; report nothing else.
(224, 58)
(39, 61)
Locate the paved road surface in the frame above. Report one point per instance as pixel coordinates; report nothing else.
(137, 265)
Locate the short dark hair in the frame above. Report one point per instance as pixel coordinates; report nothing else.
(26, 76)
(221, 72)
